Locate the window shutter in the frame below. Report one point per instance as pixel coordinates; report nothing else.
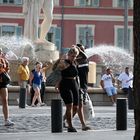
(0, 31)
(129, 3)
(58, 38)
(90, 37)
(95, 3)
(18, 2)
(82, 35)
(82, 2)
(1, 1)
(120, 37)
(120, 3)
(19, 30)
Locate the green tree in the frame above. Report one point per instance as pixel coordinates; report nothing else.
(136, 31)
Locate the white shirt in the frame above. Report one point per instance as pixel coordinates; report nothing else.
(107, 80)
(123, 77)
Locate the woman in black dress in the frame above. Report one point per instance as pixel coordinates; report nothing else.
(68, 86)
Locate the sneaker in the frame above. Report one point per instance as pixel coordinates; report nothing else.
(85, 128)
(33, 105)
(41, 104)
(72, 129)
(9, 123)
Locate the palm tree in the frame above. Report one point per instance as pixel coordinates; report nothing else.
(136, 31)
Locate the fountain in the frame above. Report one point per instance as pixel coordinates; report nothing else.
(111, 56)
(31, 45)
(16, 47)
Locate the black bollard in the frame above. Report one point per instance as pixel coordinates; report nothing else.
(22, 98)
(56, 116)
(121, 114)
(130, 100)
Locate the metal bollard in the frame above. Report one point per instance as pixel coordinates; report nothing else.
(56, 116)
(22, 98)
(121, 114)
(130, 100)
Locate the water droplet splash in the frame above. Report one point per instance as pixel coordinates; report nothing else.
(16, 47)
(112, 56)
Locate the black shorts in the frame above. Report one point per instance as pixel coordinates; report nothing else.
(69, 91)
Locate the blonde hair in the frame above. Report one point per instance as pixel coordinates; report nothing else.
(73, 50)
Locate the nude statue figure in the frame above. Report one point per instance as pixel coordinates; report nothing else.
(32, 10)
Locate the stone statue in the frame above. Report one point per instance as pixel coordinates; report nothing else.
(44, 50)
(32, 10)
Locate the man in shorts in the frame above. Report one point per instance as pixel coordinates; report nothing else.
(107, 82)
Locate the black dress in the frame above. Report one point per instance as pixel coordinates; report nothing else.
(69, 88)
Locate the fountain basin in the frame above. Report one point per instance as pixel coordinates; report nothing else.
(97, 95)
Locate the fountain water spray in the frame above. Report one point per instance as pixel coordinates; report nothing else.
(17, 47)
(112, 56)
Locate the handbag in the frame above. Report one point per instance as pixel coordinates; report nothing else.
(5, 78)
(88, 109)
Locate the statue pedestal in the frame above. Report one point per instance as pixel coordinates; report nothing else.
(45, 51)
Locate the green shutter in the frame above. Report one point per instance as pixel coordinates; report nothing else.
(82, 35)
(1, 1)
(120, 37)
(82, 3)
(129, 3)
(90, 37)
(49, 36)
(18, 2)
(0, 31)
(58, 38)
(120, 3)
(95, 3)
(19, 30)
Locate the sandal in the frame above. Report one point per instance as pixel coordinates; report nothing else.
(72, 129)
(85, 128)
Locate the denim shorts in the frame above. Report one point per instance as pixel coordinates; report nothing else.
(36, 86)
(111, 91)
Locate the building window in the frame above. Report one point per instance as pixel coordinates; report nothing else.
(88, 3)
(119, 38)
(16, 2)
(10, 30)
(54, 36)
(120, 3)
(85, 35)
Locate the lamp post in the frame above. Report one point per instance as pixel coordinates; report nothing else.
(125, 24)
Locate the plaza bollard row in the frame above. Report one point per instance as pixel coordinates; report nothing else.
(121, 114)
(130, 100)
(56, 116)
